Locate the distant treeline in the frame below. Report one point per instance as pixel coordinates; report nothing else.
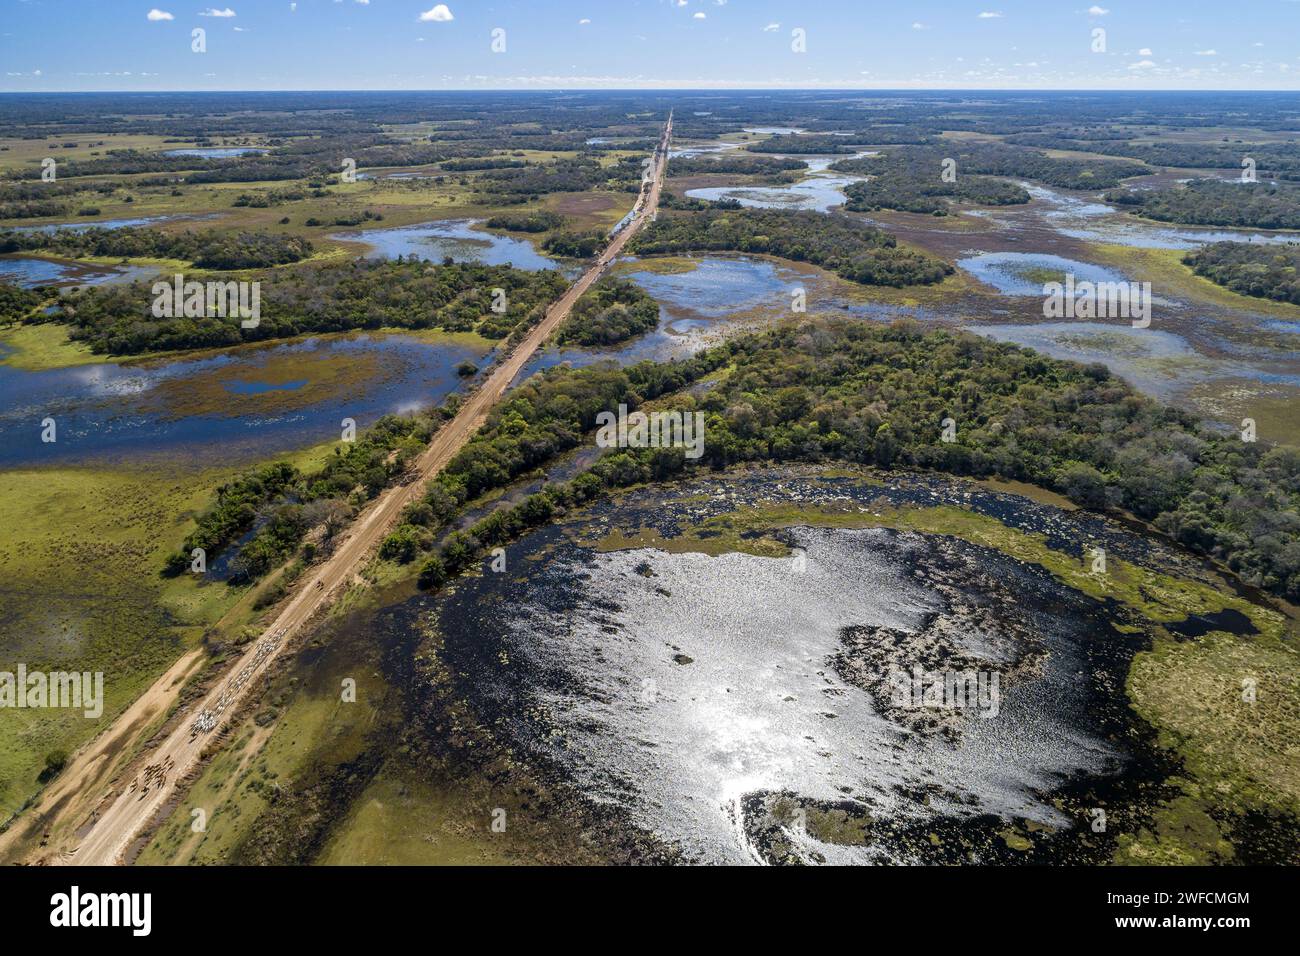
(1214, 202)
(36, 200)
(736, 164)
(564, 176)
(366, 294)
(994, 159)
(1264, 269)
(485, 162)
(1272, 160)
(298, 159)
(851, 249)
(541, 221)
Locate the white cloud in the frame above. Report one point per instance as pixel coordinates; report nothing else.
(1141, 65)
(293, 8)
(155, 14)
(1145, 51)
(438, 14)
(989, 15)
(700, 16)
(1210, 52)
(364, 3)
(1096, 11)
(919, 26)
(584, 21)
(214, 12)
(771, 28)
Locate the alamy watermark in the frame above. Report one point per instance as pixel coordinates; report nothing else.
(979, 691)
(38, 690)
(653, 430)
(1098, 300)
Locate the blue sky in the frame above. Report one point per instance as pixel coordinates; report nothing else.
(55, 45)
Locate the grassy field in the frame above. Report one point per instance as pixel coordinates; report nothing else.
(34, 348)
(17, 153)
(80, 588)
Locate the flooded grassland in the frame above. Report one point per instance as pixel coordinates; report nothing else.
(1222, 355)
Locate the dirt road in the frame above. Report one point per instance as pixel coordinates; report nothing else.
(111, 833)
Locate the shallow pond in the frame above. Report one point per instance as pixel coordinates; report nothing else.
(820, 190)
(1025, 273)
(244, 403)
(32, 271)
(697, 306)
(454, 238)
(215, 152)
(1086, 219)
(1157, 362)
(702, 150)
(48, 228)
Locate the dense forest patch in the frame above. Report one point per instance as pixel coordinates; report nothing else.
(539, 221)
(1215, 202)
(1273, 160)
(207, 250)
(733, 164)
(284, 503)
(840, 390)
(366, 294)
(1267, 270)
(611, 311)
(906, 184)
(851, 249)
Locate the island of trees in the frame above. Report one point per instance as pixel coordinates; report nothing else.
(207, 250)
(610, 312)
(1264, 269)
(1216, 202)
(365, 294)
(851, 249)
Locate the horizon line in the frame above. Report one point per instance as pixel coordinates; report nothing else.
(665, 89)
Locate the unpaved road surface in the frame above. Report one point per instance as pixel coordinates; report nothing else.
(138, 800)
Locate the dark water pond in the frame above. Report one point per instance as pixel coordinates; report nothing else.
(698, 692)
